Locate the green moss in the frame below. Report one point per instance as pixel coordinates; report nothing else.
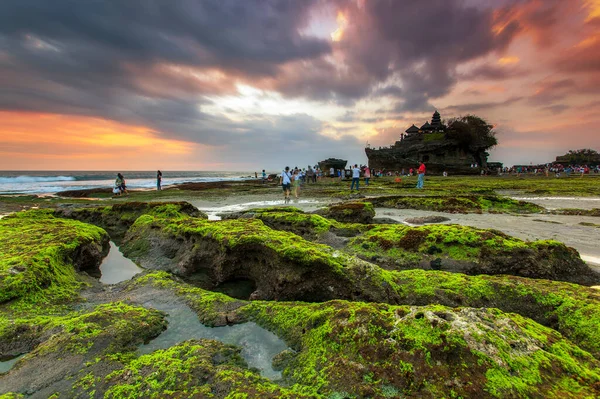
(371, 350)
(407, 246)
(192, 369)
(37, 253)
(460, 204)
(210, 306)
(231, 234)
(80, 332)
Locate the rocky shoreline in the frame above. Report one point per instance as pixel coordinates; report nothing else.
(339, 299)
(367, 310)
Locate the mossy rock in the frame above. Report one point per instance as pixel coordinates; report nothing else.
(41, 253)
(349, 212)
(117, 219)
(577, 212)
(572, 310)
(196, 368)
(280, 264)
(470, 250)
(377, 350)
(100, 339)
(459, 204)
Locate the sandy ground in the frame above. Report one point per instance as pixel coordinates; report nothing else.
(552, 203)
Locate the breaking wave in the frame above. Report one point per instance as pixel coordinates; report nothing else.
(34, 179)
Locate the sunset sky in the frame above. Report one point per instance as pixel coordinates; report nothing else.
(253, 84)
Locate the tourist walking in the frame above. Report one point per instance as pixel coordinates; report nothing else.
(158, 180)
(367, 175)
(355, 178)
(264, 176)
(421, 172)
(286, 181)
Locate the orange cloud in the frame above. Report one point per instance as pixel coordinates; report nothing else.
(50, 141)
(509, 60)
(593, 9)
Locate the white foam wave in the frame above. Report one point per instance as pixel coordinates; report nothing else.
(34, 179)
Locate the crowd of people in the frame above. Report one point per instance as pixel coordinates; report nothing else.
(292, 180)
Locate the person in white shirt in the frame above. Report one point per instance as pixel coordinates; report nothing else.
(355, 177)
(286, 182)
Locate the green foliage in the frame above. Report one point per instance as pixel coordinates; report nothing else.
(430, 137)
(37, 253)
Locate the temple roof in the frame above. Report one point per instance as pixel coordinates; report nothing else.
(426, 126)
(412, 129)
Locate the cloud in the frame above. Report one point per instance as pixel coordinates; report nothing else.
(475, 107)
(494, 72)
(556, 109)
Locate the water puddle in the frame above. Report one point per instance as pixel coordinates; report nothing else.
(302, 203)
(116, 268)
(259, 346)
(8, 364)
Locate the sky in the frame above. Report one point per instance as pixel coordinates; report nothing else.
(260, 84)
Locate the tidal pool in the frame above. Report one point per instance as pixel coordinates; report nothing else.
(8, 364)
(116, 268)
(259, 346)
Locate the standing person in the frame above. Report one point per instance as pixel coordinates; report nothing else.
(286, 181)
(367, 175)
(264, 176)
(355, 178)
(331, 172)
(256, 175)
(297, 177)
(158, 180)
(421, 172)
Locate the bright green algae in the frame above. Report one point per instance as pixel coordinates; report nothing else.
(377, 350)
(459, 204)
(202, 368)
(242, 232)
(37, 253)
(453, 241)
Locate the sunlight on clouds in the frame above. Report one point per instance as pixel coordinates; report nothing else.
(342, 22)
(252, 101)
(588, 42)
(509, 60)
(593, 8)
(90, 135)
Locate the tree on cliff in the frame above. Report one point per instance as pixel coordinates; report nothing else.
(473, 134)
(582, 156)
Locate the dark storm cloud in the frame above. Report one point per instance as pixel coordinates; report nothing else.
(111, 59)
(137, 61)
(420, 43)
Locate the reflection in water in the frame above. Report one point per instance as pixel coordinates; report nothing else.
(116, 268)
(258, 345)
(7, 365)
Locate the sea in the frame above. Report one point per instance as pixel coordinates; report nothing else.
(50, 182)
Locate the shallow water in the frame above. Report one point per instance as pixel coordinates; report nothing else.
(258, 345)
(212, 212)
(116, 267)
(8, 364)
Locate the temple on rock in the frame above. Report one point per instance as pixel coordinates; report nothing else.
(430, 144)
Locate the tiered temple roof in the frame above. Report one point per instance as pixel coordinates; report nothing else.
(412, 129)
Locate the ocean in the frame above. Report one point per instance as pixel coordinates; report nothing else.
(48, 182)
